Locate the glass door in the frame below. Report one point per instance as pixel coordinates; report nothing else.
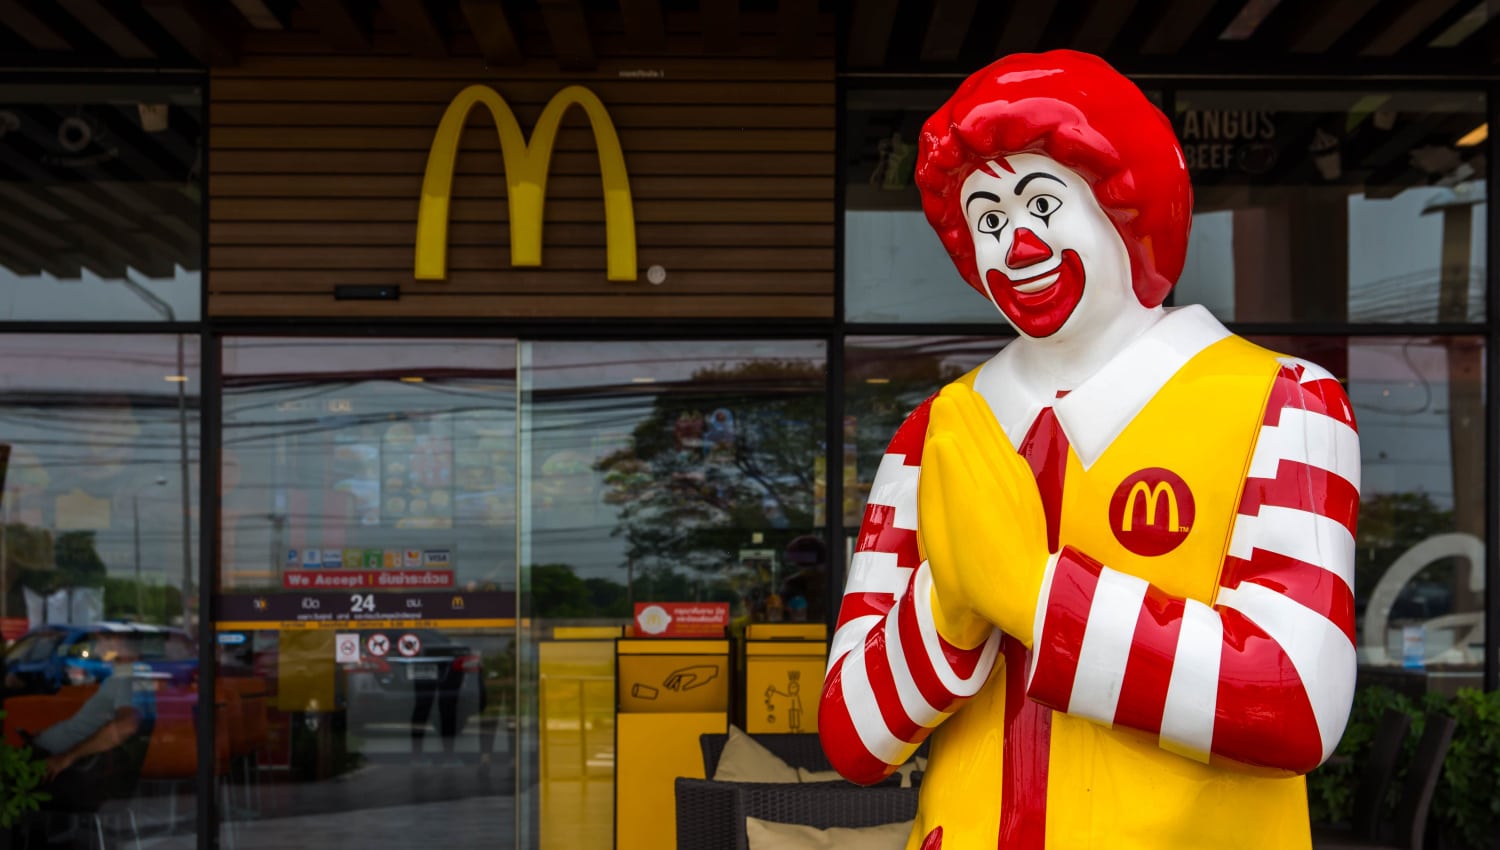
(367, 591)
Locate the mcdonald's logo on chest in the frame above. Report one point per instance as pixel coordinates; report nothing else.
(1152, 511)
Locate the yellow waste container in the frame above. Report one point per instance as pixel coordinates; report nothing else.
(669, 692)
(784, 666)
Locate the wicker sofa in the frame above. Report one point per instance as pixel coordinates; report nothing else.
(711, 814)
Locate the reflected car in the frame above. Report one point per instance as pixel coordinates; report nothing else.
(50, 657)
(396, 664)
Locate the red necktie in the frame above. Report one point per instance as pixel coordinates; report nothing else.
(1028, 725)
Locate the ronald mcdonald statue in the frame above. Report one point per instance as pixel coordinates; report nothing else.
(1110, 571)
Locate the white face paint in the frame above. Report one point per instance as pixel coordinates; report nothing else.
(1047, 253)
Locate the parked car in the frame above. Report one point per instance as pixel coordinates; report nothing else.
(49, 657)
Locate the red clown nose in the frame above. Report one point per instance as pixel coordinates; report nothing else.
(1026, 250)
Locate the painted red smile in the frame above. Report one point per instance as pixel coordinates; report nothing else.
(1039, 305)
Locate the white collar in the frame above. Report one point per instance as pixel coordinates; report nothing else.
(1099, 409)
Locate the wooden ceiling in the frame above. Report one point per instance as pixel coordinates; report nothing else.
(1185, 37)
(574, 33)
(930, 36)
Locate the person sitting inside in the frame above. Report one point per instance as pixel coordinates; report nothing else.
(83, 751)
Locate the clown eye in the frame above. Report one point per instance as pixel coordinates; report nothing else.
(991, 222)
(1043, 206)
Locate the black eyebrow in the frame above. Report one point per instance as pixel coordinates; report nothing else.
(1021, 184)
(988, 196)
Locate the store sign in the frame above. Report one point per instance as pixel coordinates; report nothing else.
(681, 619)
(357, 579)
(343, 611)
(1228, 140)
(526, 166)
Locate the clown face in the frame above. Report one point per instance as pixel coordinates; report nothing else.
(1048, 255)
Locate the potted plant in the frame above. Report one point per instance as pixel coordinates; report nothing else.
(20, 777)
(1465, 807)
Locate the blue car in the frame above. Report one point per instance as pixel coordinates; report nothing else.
(49, 657)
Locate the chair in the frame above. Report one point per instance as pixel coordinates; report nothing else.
(117, 771)
(796, 750)
(1374, 781)
(711, 815)
(1410, 825)
(171, 758)
(249, 723)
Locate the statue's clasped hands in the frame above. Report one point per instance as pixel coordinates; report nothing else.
(981, 523)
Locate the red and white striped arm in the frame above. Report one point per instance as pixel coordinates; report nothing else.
(1265, 675)
(891, 677)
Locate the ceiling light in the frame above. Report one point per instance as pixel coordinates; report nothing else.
(642, 380)
(877, 380)
(176, 379)
(1474, 136)
(412, 379)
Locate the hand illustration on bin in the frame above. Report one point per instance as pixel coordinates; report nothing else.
(1109, 571)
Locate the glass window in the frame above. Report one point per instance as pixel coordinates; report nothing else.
(1419, 570)
(98, 528)
(666, 471)
(885, 378)
(367, 581)
(100, 201)
(895, 269)
(1335, 206)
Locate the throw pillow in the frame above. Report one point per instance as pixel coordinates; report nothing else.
(769, 835)
(806, 775)
(746, 760)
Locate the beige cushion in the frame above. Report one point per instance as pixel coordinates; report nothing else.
(805, 775)
(746, 760)
(769, 835)
(906, 770)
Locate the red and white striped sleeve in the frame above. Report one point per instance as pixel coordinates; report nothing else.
(1265, 675)
(891, 677)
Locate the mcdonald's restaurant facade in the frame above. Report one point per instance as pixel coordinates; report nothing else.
(481, 397)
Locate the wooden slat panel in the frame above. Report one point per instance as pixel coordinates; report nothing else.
(520, 91)
(275, 234)
(426, 116)
(339, 209)
(569, 138)
(512, 281)
(317, 171)
(651, 187)
(475, 70)
(485, 162)
(635, 305)
(481, 258)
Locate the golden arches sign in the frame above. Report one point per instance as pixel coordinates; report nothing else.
(526, 166)
(1152, 494)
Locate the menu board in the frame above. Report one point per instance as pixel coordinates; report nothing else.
(417, 474)
(484, 473)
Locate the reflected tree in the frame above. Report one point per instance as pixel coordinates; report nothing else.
(731, 451)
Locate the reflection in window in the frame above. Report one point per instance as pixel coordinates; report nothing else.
(1335, 206)
(886, 378)
(895, 269)
(98, 571)
(1419, 583)
(676, 471)
(368, 484)
(100, 199)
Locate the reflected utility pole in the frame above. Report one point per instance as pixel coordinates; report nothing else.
(180, 378)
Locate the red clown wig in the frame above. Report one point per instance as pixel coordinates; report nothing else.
(1076, 109)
